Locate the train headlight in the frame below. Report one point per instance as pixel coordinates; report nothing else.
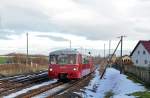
(50, 69)
(74, 69)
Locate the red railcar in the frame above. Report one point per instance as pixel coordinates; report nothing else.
(69, 64)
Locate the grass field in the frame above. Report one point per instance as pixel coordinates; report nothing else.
(3, 60)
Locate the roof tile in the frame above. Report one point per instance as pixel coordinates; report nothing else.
(146, 44)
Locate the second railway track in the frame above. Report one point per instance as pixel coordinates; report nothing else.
(13, 84)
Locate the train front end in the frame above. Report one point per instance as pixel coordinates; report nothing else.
(64, 65)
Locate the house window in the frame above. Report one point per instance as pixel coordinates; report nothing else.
(136, 61)
(138, 52)
(144, 52)
(145, 61)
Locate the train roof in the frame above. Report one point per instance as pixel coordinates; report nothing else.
(64, 51)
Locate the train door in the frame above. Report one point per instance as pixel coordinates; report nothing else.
(85, 65)
(79, 61)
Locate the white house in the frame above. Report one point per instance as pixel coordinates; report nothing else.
(141, 54)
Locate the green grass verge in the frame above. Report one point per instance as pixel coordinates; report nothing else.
(136, 80)
(145, 94)
(133, 78)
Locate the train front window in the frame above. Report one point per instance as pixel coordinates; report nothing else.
(63, 59)
(53, 59)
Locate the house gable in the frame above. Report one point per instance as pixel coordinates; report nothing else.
(140, 55)
(146, 45)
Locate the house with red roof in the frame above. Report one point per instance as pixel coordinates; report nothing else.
(141, 54)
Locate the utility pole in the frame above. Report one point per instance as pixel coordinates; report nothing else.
(109, 47)
(121, 71)
(109, 51)
(85, 51)
(70, 43)
(27, 50)
(104, 50)
(121, 63)
(110, 58)
(81, 49)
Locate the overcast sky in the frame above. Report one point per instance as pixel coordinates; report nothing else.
(87, 23)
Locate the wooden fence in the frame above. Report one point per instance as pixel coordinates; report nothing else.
(142, 73)
(14, 69)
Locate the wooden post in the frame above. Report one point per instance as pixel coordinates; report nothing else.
(27, 51)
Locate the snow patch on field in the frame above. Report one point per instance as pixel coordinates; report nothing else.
(30, 88)
(113, 82)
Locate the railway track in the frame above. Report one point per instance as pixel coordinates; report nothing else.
(13, 84)
(40, 90)
(16, 84)
(73, 85)
(22, 76)
(51, 90)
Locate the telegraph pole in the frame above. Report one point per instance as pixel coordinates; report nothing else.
(109, 52)
(27, 50)
(109, 47)
(104, 50)
(121, 71)
(121, 63)
(110, 58)
(70, 43)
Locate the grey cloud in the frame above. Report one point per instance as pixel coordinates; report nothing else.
(54, 38)
(4, 34)
(5, 38)
(143, 30)
(29, 18)
(20, 18)
(98, 32)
